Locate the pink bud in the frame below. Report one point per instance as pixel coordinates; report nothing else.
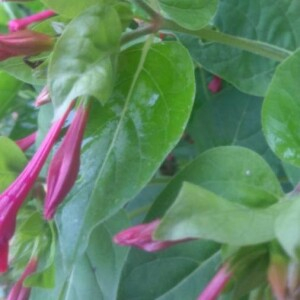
(43, 97)
(26, 142)
(24, 43)
(277, 276)
(64, 166)
(140, 236)
(215, 84)
(13, 197)
(216, 285)
(18, 291)
(19, 24)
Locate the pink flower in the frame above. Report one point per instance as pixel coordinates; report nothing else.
(18, 24)
(215, 84)
(140, 236)
(13, 197)
(18, 291)
(24, 43)
(43, 97)
(278, 276)
(216, 285)
(26, 142)
(64, 166)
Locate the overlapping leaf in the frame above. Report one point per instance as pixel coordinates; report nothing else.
(256, 20)
(128, 138)
(191, 14)
(83, 62)
(198, 213)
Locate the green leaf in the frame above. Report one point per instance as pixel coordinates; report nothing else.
(70, 8)
(231, 118)
(191, 14)
(12, 161)
(45, 277)
(287, 228)
(281, 111)
(9, 87)
(150, 106)
(16, 67)
(83, 61)
(256, 20)
(198, 213)
(177, 273)
(96, 273)
(235, 173)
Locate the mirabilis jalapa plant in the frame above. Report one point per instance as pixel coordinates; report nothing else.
(97, 96)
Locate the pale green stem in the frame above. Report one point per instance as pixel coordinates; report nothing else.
(208, 34)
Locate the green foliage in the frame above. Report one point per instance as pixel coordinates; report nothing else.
(165, 140)
(12, 160)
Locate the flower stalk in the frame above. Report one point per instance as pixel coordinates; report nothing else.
(22, 23)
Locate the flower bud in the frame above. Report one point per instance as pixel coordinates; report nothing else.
(24, 43)
(64, 167)
(18, 291)
(141, 236)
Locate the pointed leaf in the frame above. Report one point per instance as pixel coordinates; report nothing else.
(198, 213)
(150, 106)
(83, 62)
(235, 173)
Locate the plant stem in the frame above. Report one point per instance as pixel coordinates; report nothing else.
(135, 34)
(256, 47)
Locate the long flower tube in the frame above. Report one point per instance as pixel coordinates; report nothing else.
(216, 285)
(18, 291)
(64, 167)
(24, 43)
(141, 236)
(13, 197)
(26, 142)
(22, 23)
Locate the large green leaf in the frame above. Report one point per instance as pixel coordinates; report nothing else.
(191, 14)
(83, 62)
(9, 87)
(257, 20)
(12, 161)
(70, 8)
(129, 137)
(231, 118)
(235, 173)
(180, 272)
(198, 213)
(281, 110)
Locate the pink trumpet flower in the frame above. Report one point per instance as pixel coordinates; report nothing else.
(19, 24)
(26, 142)
(13, 197)
(64, 166)
(215, 84)
(141, 236)
(43, 97)
(18, 291)
(216, 285)
(24, 43)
